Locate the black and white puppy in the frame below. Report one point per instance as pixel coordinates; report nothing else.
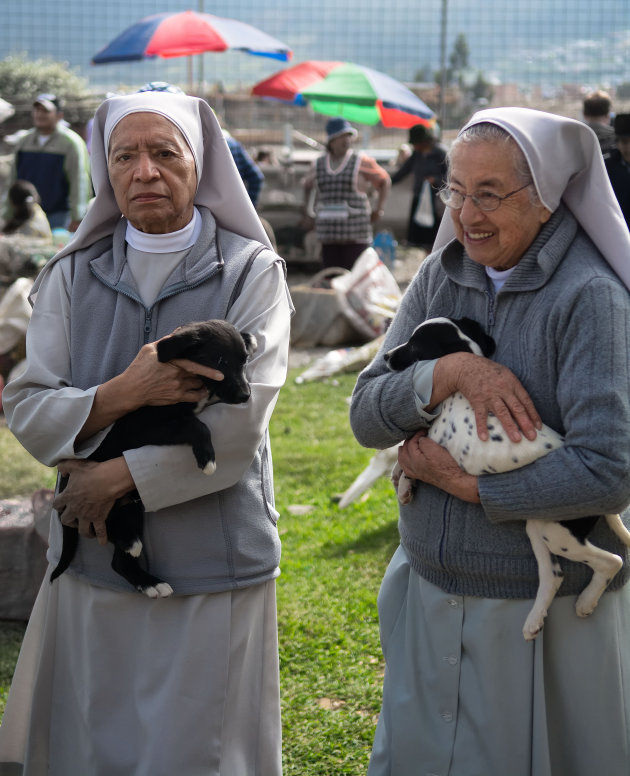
(216, 344)
(456, 430)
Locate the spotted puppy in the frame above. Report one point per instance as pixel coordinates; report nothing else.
(216, 344)
(455, 429)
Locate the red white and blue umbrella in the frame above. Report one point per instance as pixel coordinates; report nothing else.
(185, 33)
(355, 92)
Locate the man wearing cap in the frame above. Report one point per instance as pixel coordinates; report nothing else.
(428, 165)
(55, 160)
(344, 181)
(618, 164)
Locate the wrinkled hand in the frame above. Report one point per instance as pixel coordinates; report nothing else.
(156, 383)
(423, 459)
(80, 504)
(489, 387)
(90, 493)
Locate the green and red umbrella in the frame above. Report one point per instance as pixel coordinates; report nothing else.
(357, 93)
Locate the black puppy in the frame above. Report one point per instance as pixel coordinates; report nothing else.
(216, 344)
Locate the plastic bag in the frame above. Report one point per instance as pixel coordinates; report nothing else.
(423, 214)
(369, 295)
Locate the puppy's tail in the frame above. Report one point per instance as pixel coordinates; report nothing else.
(68, 549)
(380, 465)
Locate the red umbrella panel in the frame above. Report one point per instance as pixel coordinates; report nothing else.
(355, 92)
(187, 33)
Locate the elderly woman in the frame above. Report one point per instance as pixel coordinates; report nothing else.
(540, 257)
(343, 183)
(110, 681)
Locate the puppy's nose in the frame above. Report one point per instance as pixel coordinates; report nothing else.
(242, 395)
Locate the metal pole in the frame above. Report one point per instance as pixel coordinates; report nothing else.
(201, 61)
(442, 108)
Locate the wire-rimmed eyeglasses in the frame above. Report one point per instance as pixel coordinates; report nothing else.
(484, 200)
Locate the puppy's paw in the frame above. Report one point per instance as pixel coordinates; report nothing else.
(405, 495)
(210, 467)
(164, 590)
(533, 625)
(405, 489)
(585, 605)
(135, 549)
(160, 590)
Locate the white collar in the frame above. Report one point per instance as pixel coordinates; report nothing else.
(499, 276)
(165, 243)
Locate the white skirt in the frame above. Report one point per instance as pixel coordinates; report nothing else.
(117, 684)
(466, 695)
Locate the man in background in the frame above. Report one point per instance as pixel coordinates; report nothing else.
(55, 160)
(251, 174)
(427, 164)
(618, 163)
(596, 109)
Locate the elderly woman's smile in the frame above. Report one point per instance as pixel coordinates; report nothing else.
(153, 174)
(498, 238)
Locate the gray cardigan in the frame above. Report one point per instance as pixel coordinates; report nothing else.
(562, 325)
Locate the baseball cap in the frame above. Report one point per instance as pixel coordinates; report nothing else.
(48, 101)
(338, 126)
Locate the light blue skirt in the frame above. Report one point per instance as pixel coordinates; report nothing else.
(117, 684)
(465, 695)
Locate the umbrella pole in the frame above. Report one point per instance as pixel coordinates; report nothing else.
(201, 73)
(190, 74)
(201, 81)
(443, 82)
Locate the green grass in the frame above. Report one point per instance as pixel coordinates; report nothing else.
(333, 560)
(20, 473)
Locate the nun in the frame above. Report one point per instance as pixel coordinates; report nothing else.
(537, 251)
(109, 681)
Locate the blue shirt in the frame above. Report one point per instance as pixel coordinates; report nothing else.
(249, 171)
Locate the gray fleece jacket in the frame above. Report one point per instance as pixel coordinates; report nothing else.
(562, 325)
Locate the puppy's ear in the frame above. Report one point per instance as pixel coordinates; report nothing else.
(251, 344)
(475, 331)
(171, 347)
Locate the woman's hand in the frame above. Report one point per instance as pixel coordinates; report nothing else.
(423, 459)
(153, 382)
(489, 387)
(90, 493)
(146, 381)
